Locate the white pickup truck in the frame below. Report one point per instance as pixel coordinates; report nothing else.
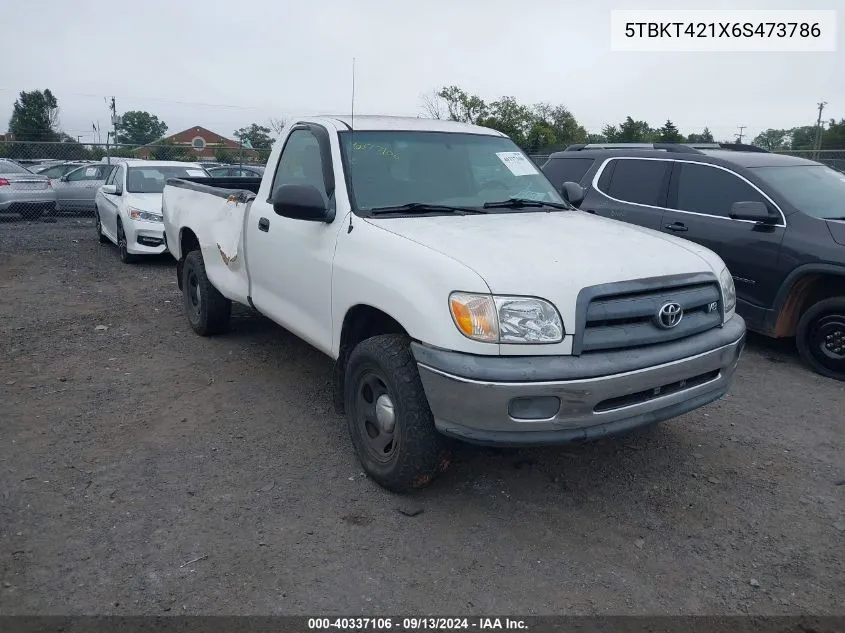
(457, 291)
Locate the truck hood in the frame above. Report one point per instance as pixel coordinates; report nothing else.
(553, 255)
(150, 202)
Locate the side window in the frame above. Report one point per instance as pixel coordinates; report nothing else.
(639, 181)
(84, 173)
(710, 190)
(54, 172)
(300, 162)
(561, 170)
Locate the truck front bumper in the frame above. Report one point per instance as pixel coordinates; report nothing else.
(537, 400)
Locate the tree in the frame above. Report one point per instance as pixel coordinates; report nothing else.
(669, 133)
(772, 139)
(223, 155)
(278, 125)
(834, 136)
(509, 117)
(802, 137)
(432, 105)
(35, 116)
(257, 135)
(462, 106)
(705, 137)
(564, 127)
(139, 128)
(166, 150)
(595, 138)
(630, 131)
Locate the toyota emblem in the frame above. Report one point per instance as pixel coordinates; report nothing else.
(670, 315)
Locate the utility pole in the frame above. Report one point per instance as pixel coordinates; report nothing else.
(114, 121)
(818, 143)
(740, 135)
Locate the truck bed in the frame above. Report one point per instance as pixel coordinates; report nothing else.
(223, 187)
(214, 211)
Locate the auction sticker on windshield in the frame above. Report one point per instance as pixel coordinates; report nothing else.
(517, 163)
(195, 173)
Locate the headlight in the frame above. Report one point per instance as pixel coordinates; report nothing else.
(137, 214)
(502, 319)
(728, 290)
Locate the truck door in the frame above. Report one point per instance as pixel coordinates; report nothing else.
(290, 260)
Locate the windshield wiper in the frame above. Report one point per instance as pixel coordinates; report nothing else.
(423, 207)
(841, 218)
(520, 203)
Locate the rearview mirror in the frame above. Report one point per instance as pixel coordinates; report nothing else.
(110, 189)
(753, 211)
(300, 202)
(572, 192)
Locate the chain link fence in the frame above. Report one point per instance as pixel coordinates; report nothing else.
(40, 153)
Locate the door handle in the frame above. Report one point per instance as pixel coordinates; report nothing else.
(264, 224)
(679, 227)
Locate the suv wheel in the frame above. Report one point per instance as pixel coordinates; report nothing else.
(821, 337)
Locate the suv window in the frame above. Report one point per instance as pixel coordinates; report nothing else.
(300, 162)
(561, 170)
(711, 190)
(639, 181)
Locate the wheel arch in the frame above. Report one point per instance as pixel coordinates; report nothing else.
(803, 287)
(361, 321)
(188, 241)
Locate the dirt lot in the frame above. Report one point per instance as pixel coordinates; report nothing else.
(144, 469)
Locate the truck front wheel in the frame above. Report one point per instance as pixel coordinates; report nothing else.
(207, 310)
(389, 418)
(820, 337)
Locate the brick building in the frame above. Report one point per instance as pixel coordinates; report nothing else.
(198, 141)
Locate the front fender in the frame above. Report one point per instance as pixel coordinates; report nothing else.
(405, 280)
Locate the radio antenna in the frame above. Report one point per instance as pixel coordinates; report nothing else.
(352, 139)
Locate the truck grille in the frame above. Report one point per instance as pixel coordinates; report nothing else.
(620, 320)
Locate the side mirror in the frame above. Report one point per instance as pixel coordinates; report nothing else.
(300, 202)
(753, 211)
(572, 192)
(110, 189)
(63, 178)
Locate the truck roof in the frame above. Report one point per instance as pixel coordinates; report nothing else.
(375, 122)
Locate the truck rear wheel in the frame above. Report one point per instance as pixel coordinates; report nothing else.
(820, 337)
(389, 419)
(207, 310)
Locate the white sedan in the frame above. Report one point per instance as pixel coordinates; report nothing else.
(128, 205)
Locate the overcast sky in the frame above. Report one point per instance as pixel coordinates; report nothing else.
(224, 65)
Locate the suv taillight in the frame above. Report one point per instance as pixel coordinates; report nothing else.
(4, 182)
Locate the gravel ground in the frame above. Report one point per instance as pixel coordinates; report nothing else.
(144, 469)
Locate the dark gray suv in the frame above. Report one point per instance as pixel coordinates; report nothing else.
(777, 221)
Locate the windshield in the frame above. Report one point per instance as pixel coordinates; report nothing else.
(387, 169)
(814, 189)
(151, 178)
(8, 167)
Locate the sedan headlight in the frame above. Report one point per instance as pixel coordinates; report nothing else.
(505, 319)
(137, 214)
(728, 290)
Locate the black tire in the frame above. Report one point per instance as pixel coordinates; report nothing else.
(100, 235)
(414, 453)
(125, 256)
(820, 337)
(207, 310)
